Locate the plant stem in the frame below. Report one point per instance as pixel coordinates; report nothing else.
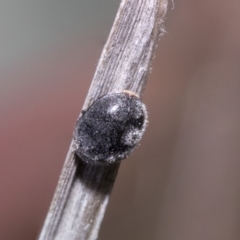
(83, 190)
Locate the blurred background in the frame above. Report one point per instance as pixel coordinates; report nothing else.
(183, 182)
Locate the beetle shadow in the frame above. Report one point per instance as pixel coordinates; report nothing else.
(96, 177)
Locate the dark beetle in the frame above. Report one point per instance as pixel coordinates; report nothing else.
(110, 128)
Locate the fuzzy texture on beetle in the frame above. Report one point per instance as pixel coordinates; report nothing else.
(110, 128)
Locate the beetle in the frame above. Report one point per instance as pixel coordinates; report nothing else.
(110, 128)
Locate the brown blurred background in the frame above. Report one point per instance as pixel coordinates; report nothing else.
(183, 182)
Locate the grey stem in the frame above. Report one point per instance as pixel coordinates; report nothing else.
(83, 190)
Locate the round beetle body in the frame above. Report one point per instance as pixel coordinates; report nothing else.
(110, 128)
